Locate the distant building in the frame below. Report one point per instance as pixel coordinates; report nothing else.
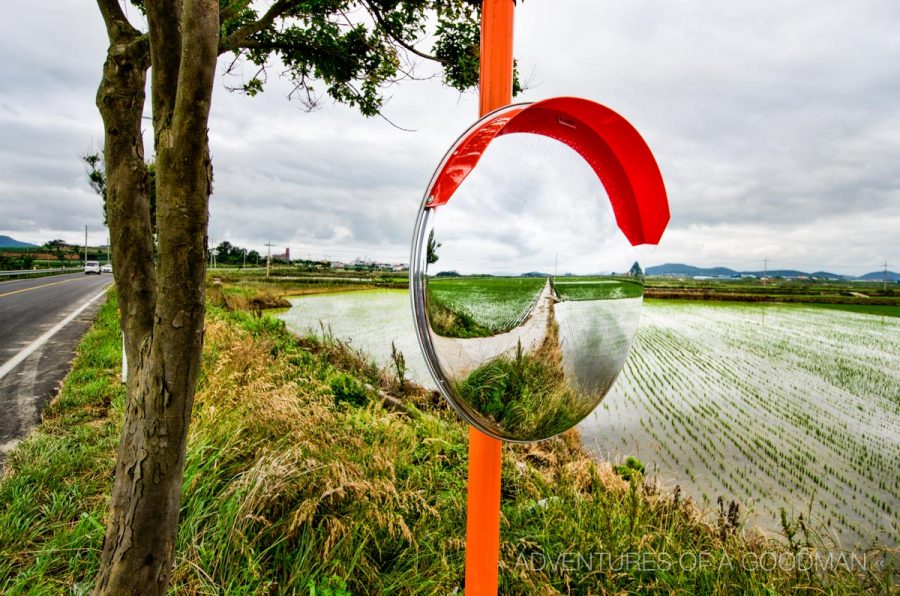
(286, 256)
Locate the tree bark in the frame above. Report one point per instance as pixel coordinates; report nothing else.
(162, 310)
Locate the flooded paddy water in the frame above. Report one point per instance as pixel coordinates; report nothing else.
(367, 320)
(773, 406)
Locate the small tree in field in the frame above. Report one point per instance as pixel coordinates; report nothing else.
(58, 248)
(351, 49)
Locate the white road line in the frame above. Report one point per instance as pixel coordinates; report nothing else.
(30, 349)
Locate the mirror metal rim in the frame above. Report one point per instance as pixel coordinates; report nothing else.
(417, 271)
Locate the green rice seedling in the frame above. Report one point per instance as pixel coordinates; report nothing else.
(480, 306)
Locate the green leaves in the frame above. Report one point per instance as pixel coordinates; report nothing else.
(253, 86)
(347, 388)
(633, 467)
(458, 48)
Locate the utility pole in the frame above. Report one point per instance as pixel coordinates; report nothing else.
(268, 257)
(765, 269)
(244, 265)
(885, 276)
(85, 244)
(212, 254)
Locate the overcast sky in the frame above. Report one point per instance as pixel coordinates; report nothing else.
(776, 125)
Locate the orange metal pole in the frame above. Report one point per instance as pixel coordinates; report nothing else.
(483, 513)
(496, 76)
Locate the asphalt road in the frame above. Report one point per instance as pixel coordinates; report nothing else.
(32, 364)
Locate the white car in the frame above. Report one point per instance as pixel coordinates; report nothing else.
(106, 268)
(92, 267)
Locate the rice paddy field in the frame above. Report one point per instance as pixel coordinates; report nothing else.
(773, 406)
(770, 405)
(496, 304)
(596, 288)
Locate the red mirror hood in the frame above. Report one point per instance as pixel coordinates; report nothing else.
(609, 143)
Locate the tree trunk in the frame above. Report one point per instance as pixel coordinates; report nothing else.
(161, 311)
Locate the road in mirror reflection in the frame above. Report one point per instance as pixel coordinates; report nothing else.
(531, 291)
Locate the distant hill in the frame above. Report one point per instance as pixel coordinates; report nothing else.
(688, 270)
(879, 275)
(7, 242)
(681, 270)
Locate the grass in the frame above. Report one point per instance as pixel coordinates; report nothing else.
(480, 306)
(447, 322)
(526, 396)
(868, 309)
(597, 288)
(830, 292)
(255, 298)
(296, 277)
(291, 488)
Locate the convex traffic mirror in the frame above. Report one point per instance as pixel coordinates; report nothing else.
(525, 286)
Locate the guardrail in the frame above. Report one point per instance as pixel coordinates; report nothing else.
(527, 312)
(24, 272)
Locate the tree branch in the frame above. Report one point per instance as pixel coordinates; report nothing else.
(379, 18)
(195, 76)
(118, 28)
(165, 58)
(236, 40)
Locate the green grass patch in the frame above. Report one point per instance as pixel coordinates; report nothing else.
(526, 395)
(866, 309)
(480, 306)
(597, 288)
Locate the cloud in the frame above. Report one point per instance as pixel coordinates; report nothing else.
(531, 204)
(775, 125)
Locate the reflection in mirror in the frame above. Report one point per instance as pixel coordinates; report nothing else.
(526, 291)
